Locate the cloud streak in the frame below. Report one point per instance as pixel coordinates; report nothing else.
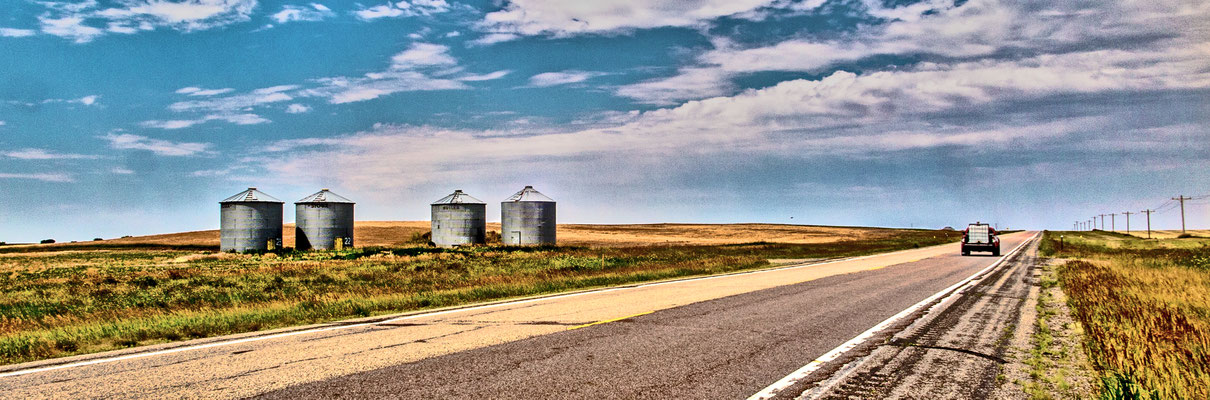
(86, 21)
(41, 154)
(45, 177)
(126, 141)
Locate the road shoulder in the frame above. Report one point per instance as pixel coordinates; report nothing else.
(1047, 360)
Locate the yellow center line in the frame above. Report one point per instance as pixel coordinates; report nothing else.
(609, 320)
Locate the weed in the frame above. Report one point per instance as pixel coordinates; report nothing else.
(1145, 309)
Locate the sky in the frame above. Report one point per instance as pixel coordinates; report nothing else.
(134, 117)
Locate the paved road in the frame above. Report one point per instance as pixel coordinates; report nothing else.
(719, 337)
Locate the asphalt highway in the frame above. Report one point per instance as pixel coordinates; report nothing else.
(720, 337)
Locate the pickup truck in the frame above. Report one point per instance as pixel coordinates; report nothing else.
(980, 237)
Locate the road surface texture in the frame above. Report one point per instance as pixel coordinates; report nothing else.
(727, 336)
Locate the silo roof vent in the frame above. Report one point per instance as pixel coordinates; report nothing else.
(529, 194)
(324, 196)
(252, 195)
(458, 197)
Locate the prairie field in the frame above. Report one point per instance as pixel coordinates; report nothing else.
(1145, 309)
(400, 233)
(80, 298)
(1166, 234)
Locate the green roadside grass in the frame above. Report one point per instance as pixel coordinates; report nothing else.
(1145, 309)
(64, 303)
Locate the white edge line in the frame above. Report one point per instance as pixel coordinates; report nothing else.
(794, 377)
(414, 316)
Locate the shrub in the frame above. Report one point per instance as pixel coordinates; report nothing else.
(422, 239)
(47, 241)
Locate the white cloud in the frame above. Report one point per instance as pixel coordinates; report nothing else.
(126, 141)
(410, 70)
(348, 90)
(379, 11)
(13, 32)
(236, 102)
(422, 55)
(689, 83)
(40, 154)
(841, 115)
(196, 91)
(72, 20)
(493, 38)
(453, 34)
(297, 108)
(975, 29)
(421, 67)
(2, 123)
(70, 28)
(291, 13)
(561, 78)
(561, 18)
(238, 119)
(50, 177)
(121, 171)
(86, 100)
(403, 9)
(484, 77)
(172, 124)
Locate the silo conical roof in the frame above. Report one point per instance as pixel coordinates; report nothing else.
(458, 198)
(251, 196)
(529, 194)
(324, 196)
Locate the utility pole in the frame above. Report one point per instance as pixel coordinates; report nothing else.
(1102, 221)
(1182, 198)
(1127, 213)
(1094, 223)
(1113, 222)
(1148, 212)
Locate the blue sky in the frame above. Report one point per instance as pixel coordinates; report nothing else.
(135, 117)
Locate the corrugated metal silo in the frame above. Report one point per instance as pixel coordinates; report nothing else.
(527, 217)
(459, 219)
(323, 221)
(251, 220)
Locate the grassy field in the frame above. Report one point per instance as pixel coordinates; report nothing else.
(62, 300)
(1145, 309)
(398, 233)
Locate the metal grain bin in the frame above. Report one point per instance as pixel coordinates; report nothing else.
(527, 218)
(459, 219)
(251, 220)
(323, 221)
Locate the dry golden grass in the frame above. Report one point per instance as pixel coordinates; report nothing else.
(395, 233)
(1166, 234)
(1145, 309)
